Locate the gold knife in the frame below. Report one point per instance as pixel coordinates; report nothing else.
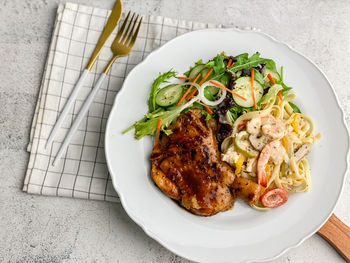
(112, 23)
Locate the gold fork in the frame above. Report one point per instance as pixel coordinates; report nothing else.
(121, 46)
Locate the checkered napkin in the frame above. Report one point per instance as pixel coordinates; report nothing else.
(82, 172)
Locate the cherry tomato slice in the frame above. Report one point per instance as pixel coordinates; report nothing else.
(274, 198)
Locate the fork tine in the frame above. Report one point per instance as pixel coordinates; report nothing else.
(131, 31)
(132, 42)
(120, 32)
(127, 30)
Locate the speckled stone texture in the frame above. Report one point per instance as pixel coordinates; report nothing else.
(47, 229)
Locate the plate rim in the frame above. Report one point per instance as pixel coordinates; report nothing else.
(143, 226)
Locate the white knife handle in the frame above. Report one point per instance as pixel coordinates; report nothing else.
(66, 107)
(84, 109)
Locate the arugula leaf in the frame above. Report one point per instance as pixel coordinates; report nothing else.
(224, 55)
(294, 107)
(225, 79)
(167, 132)
(147, 116)
(243, 62)
(208, 116)
(195, 105)
(255, 56)
(241, 59)
(199, 62)
(232, 116)
(282, 73)
(210, 64)
(271, 65)
(248, 65)
(219, 66)
(155, 87)
(237, 111)
(285, 90)
(149, 126)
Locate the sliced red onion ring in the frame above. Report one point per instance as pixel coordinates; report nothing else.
(209, 102)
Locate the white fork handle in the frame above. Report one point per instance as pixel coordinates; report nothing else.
(84, 109)
(66, 107)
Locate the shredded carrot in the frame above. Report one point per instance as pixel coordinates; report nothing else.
(271, 79)
(195, 90)
(188, 91)
(223, 87)
(192, 94)
(264, 105)
(280, 96)
(229, 63)
(273, 82)
(184, 78)
(158, 131)
(206, 76)
(252, 86)
(208, 110)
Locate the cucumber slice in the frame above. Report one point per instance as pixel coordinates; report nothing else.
(243, 88)
(195, 71)
(169, 95)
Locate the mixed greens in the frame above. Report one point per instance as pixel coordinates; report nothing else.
(228, 87)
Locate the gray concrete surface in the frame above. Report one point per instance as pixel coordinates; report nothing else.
(46, 229)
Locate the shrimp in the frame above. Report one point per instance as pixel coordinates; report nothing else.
(253, 126)
(274, 151)
(273, 127)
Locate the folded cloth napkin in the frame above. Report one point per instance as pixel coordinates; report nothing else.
(82, 172)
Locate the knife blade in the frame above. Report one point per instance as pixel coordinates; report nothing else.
(112, 23)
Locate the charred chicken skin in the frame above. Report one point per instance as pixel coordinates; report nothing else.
(187, 167)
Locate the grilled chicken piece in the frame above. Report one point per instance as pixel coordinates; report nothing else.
(248, 190)
(187, 167)
(302, 152)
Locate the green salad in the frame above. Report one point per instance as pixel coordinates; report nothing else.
(224, 88)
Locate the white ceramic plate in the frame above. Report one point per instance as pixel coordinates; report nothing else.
(242, 234)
